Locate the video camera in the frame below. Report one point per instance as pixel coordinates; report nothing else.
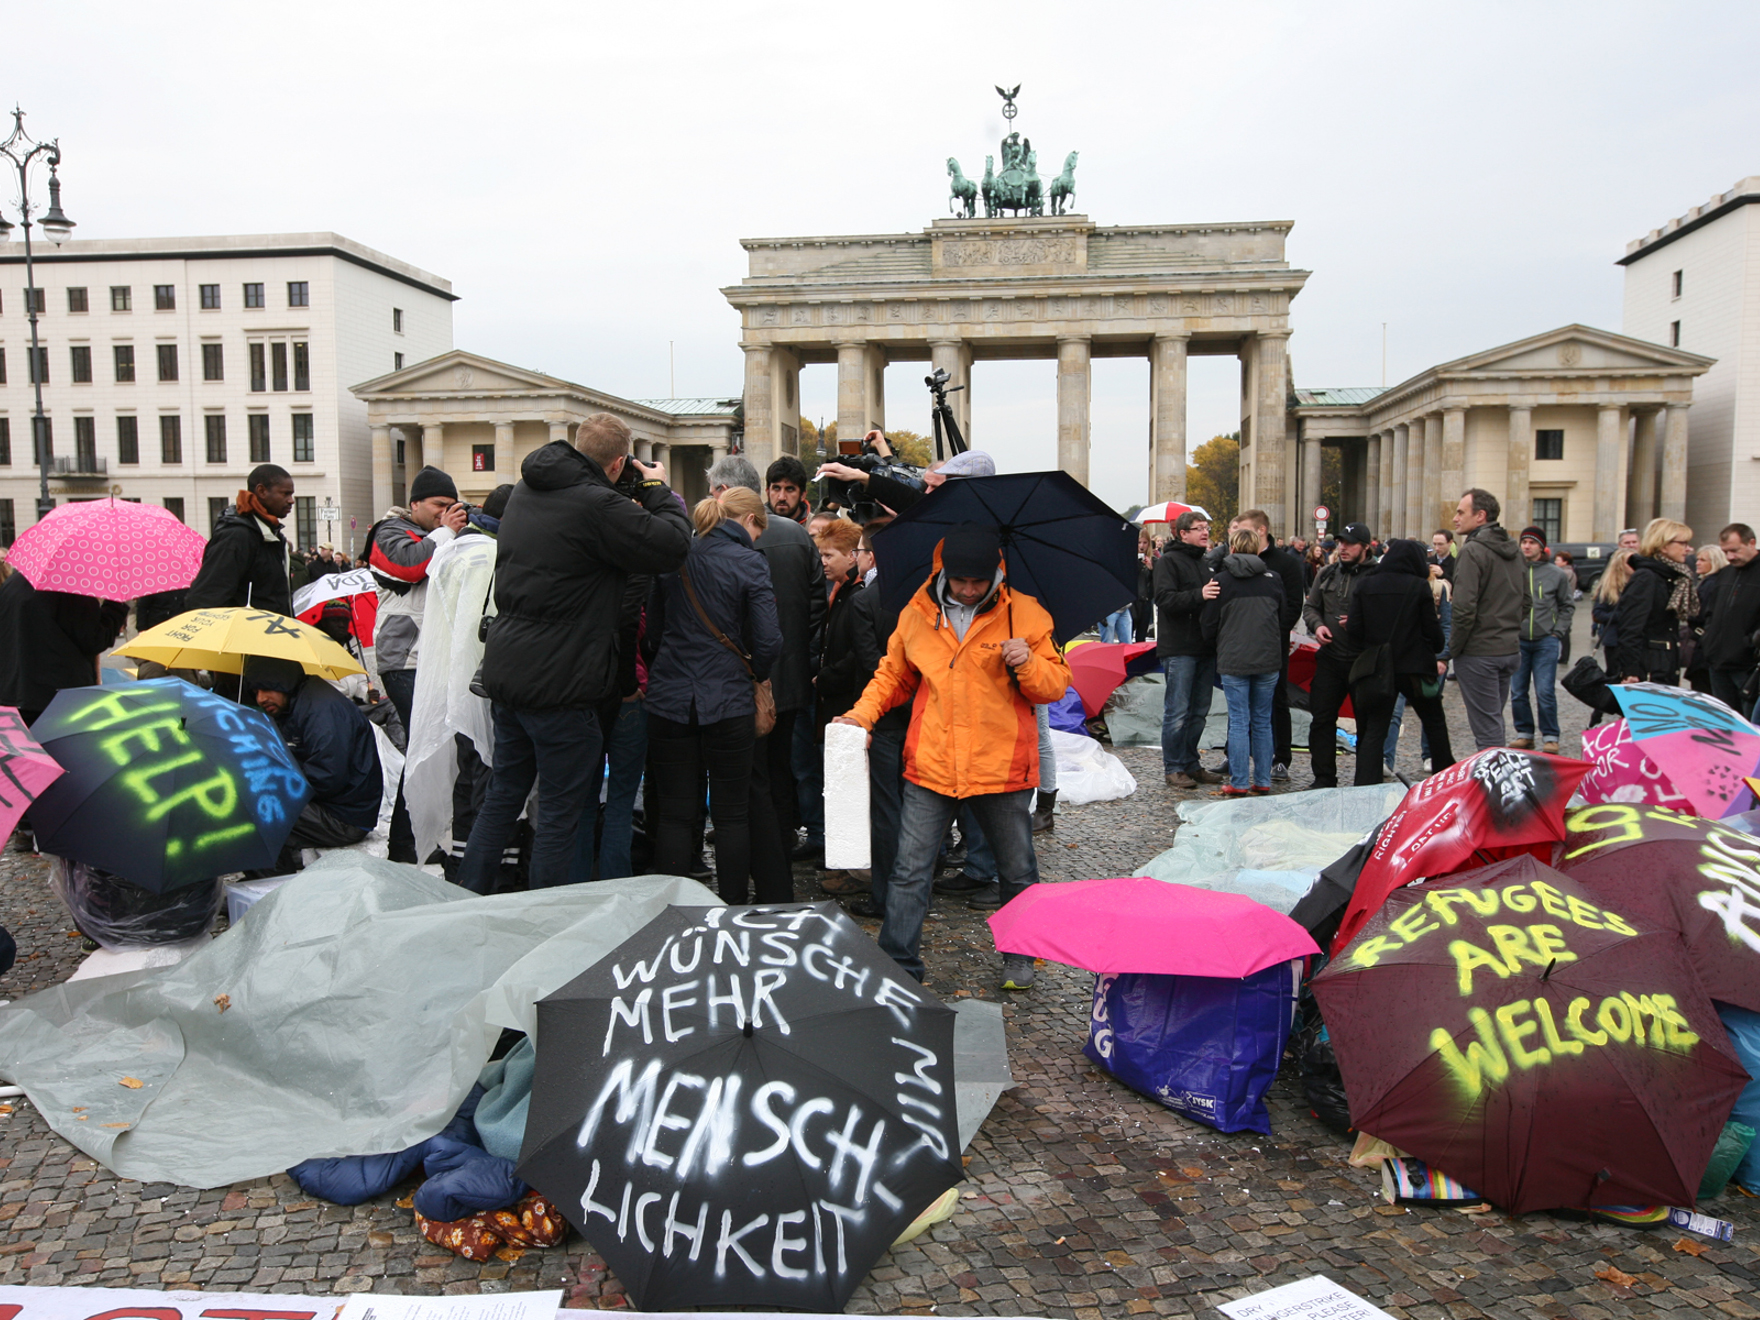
(836, 493)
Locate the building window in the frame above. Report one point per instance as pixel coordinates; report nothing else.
(80, 359)
(302, 367)
(278, 365)
(214, 426)
(43, 439)
(299, 293)
(121, 298)
(259, 373)
(124, 355)
(39, 365)
(1677, 282)
(165, 297)
(1549, 518)
(210, 297)
(397, 320)
(2, 366)
(76, 300)
(253, 295)
(36, 300)
(8, 528)
(167, 361)
(400, 450)
(5, 442)
(1674, 334)
(218, 507)
(171, 439)
(482, 458)
(213, 362)
(128, 439)
(302, 438)
(1549, 445)
(259, 428)
(85, 443)
(397, 361)
(305, 520)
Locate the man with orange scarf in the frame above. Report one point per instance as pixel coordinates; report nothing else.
(246, 562)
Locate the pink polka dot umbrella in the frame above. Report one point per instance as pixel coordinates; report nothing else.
(111, 548)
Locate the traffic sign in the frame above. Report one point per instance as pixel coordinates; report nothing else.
(329, 514)
(1322, 513)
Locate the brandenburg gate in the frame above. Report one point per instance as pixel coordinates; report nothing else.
(1029, 286)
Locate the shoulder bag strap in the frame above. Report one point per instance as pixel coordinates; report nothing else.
(684, 576)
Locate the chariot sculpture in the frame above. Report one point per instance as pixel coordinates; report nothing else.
(1016, 188)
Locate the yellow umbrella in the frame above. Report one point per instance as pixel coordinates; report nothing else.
(220, 640)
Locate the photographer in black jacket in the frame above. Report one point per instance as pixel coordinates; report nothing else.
(582, 519)
(1181, 587)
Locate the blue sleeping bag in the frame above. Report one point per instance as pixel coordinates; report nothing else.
(1205, 1046)
(1743, 1026)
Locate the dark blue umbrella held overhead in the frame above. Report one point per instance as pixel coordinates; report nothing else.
(1061, 543)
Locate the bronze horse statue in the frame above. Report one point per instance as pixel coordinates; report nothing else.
(964, 201)
(1063, 187)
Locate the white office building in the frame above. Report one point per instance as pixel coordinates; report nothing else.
(172, 366)
(1695, 284)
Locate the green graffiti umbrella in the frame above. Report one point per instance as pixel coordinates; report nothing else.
(166, 784)
(1511, 1029)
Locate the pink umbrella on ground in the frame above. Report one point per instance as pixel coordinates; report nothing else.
(1136, 924)
(1705, 748)
(1623, 773)
(1097, 668)
(25, 769)
(113, 549)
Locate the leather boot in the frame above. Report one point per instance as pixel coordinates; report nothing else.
(1042, 809)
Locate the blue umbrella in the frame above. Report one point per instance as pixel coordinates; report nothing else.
(1062, 545)
(166, 785)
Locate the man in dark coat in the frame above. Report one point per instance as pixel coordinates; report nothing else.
(247, 561)
(572, 534)
(1188, 661)
(1732, 604)
(1326, 611)
(333, 743)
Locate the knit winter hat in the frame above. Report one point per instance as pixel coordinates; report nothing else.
(971, 551)
(1538, 533)
(429, 482)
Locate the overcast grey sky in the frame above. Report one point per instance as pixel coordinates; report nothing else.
(583, 173)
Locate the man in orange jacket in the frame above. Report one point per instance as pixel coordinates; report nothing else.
(973, 658)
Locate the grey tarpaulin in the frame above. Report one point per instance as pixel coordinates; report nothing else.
(1133, 716)
(1270, 849)
(980, 1064)
(361, 1000)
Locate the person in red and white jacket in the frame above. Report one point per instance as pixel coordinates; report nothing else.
(401, 546)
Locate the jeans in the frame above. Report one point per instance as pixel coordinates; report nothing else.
(885, 806)
(1727, 685)
(678, 754)
(1537, 660)
(1326, 693)
(1249, 726)
(1374, 724)
(1116, 627)
(807, 760)
(980, 857)
(1190, 680)
(1390, 748)
(1007, 823)
(1047, 757)
(400, 687)
(626, 749)
(559, 748)
(1484, 684)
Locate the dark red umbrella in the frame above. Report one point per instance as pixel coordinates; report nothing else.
(1695, 876)
(1097, 668)
(1506, 1028)
(1493, 805)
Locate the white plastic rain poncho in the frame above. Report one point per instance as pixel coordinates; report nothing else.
(459, 581)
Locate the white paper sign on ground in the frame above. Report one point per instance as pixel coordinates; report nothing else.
(1314, 1298)
(485, 1306)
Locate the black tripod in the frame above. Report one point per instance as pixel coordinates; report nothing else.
(948, 440)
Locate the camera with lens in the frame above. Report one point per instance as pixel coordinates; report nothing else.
(837, 493)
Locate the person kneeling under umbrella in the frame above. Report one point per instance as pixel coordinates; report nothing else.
(333, 743)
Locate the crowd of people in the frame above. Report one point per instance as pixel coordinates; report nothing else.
(1391, 622)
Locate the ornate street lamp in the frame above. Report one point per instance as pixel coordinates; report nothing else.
(21, 149)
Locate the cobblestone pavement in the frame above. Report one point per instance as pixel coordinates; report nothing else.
(1084, 1199)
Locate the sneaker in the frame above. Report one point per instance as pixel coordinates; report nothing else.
(1550, 747)
(1323, 783)
(1427, 765)
(842, 883)
(1204, 776)
(1279, 773)
(959, 883)
(1180, 779)
(1522, 744)
(987, 899)
(1230, 791)
(867, 908)
(1017, 972)
(806, 851)
(1260, 788)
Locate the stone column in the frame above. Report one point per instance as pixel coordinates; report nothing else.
(504, 453)
(1432, 496)
(412, 452)
(663, 454)
(1518, 509)
(1419, 478)
(760, 412)
(1401, 478)
(384, 464)
(433, 445)
(1452, 448)
(717, 451)
(559, 431)
(644, 450)
(954, 356)
(1641, 484)
(1270, 405)
(1167, 417)
(1310, 492)
(1673, 503)
(1609, 441)
(1072, 407)
(858, 407)
(1375, 484)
